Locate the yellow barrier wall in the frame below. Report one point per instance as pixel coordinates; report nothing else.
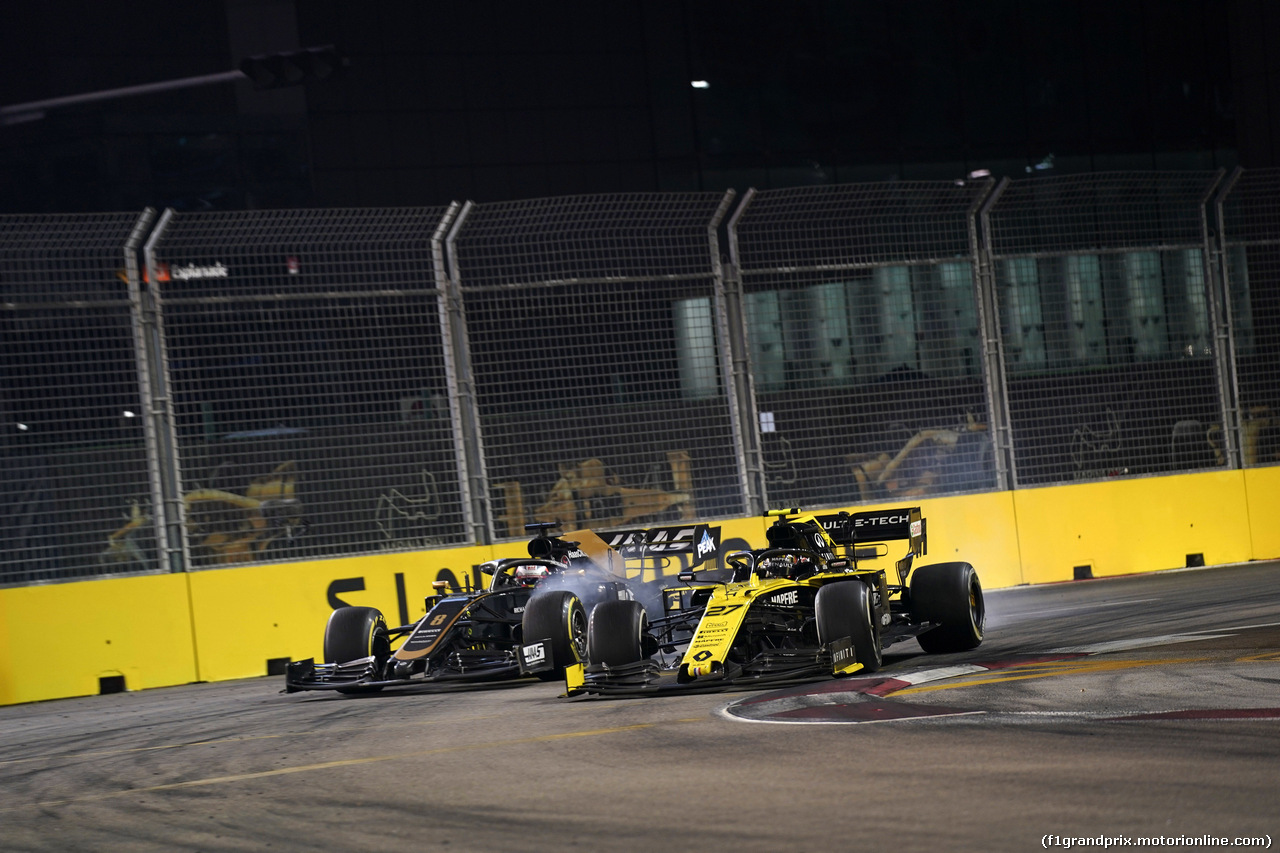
(977, 529)
(58, 640)
(1262, 489)
(247, 616)
(1125, 526)
(241, 618)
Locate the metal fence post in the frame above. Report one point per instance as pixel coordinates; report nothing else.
(993, 368)
(463, 407)
(1226, 332)
(735, 362)
(171, 524)
(739, 384)
(141, 307)
(1219, 305)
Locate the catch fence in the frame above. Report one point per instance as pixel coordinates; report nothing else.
(1248, 221)
(306, 378)
(866, 340)
(74, 478)
(594, 358)
(1107, 319)
(197, 390)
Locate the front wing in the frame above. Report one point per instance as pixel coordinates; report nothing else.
(648, 677)
(363, 673)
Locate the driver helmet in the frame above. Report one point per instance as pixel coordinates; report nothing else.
(530, 574)
(778, 567)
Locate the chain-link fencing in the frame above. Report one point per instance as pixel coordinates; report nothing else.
(75, 489)
(1248, 220)
(1107, 328)
(198, 390)
(595, 359)
(866, 344)
(307, 379)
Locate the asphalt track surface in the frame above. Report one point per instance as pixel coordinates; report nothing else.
(1137, 707)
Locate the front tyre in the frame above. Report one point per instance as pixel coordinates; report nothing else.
(844, 609)
(617, 632)
(353, 633)
(950, 595)
(557, 615)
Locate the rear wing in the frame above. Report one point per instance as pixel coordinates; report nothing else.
(700, 542)
(882, 525)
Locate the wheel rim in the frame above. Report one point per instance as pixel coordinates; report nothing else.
(976, 608)
(875, 629)
(578, 632)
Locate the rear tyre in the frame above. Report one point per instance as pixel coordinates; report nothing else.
(617, 632)
(353, 633)
(844, 609)
(557, 615)
(950, 595)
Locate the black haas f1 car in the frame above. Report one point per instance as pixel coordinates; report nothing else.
(477, 635)
(813, 603)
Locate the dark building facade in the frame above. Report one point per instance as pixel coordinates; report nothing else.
(495, 101)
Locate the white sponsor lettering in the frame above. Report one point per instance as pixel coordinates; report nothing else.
(881, 519)
(790, 597)
(189, 271)
(534, 653)
(680, 542)
(626, 539)
(706, 545)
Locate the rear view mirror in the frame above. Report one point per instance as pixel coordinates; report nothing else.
(685, 577)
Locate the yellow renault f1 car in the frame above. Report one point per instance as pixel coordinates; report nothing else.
(816, 602)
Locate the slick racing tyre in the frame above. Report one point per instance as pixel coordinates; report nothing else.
(844, 609)
(950, 595)
(557, 615)
(353, 633)
(617, 633)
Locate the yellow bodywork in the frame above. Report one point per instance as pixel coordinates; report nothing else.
(726, 609)
(728, 606)
(574, 678)
(719, 626)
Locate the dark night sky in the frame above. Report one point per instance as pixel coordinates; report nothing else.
(495, 101)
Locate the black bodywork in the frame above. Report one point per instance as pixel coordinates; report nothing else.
(472, 636)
